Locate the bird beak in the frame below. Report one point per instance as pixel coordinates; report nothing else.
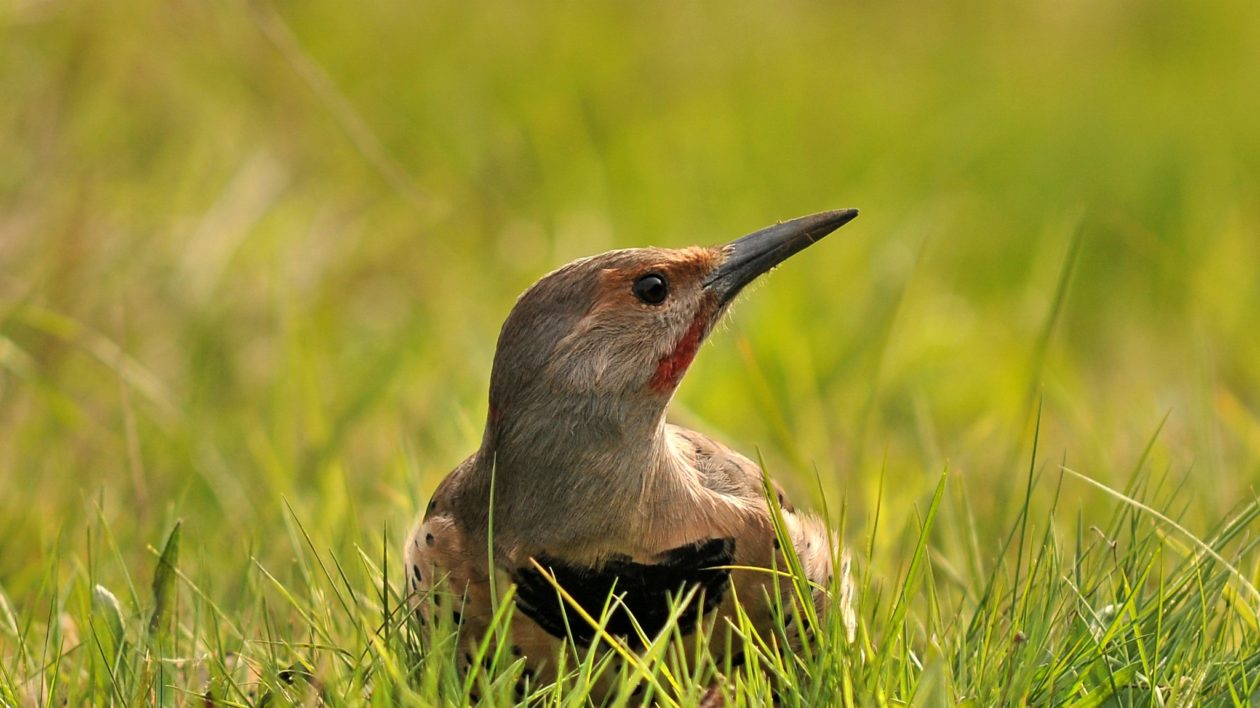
(760, 251)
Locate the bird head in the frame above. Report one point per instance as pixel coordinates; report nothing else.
(609, 337)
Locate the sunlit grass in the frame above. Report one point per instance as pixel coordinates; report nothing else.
(253, 259)
(1120, 613)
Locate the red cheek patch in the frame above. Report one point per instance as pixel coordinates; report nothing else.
(672, 366)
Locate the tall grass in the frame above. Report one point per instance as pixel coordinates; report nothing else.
(253, 258)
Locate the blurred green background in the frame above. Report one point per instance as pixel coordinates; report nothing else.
(254, 254)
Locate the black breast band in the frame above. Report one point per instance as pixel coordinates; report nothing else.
(645, 590)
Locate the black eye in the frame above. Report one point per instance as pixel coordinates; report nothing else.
(651, 288)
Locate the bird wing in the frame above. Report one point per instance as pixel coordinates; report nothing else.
(448, 575)
(721, 469)
(444, 561)
(726, 472)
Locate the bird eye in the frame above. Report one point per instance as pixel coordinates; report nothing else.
(651, 288)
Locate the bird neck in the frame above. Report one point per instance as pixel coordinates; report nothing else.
(577, 471)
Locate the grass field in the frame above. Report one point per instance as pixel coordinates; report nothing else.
(254, 257)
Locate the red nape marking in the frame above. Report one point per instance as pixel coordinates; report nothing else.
(672, 366)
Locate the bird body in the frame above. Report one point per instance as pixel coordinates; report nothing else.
(579, 476)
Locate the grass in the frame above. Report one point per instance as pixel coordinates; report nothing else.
(253, 258)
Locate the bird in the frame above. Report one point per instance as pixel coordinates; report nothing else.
(579, 481)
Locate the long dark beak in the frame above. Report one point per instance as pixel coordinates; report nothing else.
(759, 251)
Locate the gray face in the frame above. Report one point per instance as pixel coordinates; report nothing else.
(647, 313)
(625, 325)
(585, 367)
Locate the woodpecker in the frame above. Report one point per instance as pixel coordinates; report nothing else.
(593, 490)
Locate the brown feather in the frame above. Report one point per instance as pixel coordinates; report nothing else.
(587, 477)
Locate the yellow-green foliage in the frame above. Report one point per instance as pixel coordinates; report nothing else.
(254, 256)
